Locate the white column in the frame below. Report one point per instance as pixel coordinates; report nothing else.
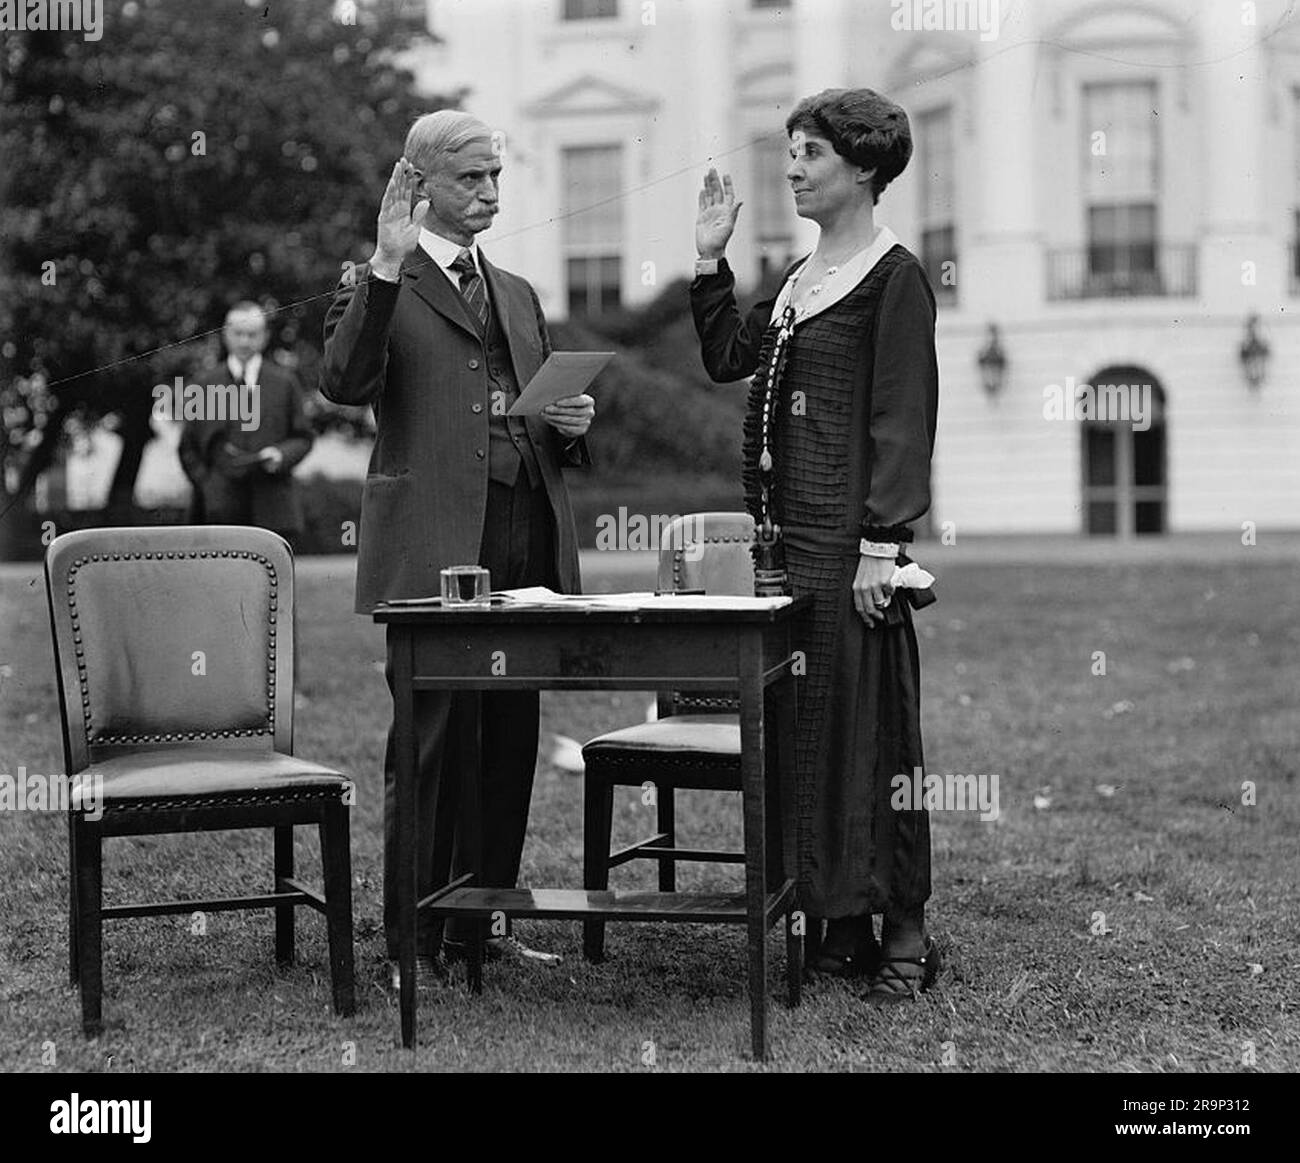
(712, 59)
(823, 50)
(1004, 249)
(823, 46)
(1233, 98)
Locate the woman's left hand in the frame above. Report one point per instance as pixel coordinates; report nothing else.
(871, 590)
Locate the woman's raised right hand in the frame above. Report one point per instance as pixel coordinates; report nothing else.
(717, 216)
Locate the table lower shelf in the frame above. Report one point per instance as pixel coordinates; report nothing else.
(577, 904)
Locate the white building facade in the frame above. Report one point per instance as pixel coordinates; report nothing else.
(1114, 187)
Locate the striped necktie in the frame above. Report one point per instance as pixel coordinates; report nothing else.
(472, 288)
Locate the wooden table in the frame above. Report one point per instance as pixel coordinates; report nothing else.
(566, 647)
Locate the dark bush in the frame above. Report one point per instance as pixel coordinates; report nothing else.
(331, 511)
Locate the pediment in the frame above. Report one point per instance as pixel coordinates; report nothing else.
(933, 55)
(1118, 25)
(590, 94)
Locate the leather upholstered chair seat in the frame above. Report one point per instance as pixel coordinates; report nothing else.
(684, 739)
(174, 652)
(210, 776)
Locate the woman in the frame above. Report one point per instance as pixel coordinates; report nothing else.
(838, 435)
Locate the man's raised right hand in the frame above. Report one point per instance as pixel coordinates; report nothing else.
(399, 223)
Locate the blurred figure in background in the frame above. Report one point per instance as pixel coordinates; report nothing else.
(241, 465)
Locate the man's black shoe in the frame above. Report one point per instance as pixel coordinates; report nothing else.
(502, 949)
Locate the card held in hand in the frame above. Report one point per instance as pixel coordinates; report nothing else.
(564, 374)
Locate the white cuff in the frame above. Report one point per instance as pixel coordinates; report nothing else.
(887, 549)
(387, 274)
(706, 266)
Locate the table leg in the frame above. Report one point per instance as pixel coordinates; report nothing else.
(471, 823)
(752, 779)
(774, 773)
(404, 736)
(785, 691)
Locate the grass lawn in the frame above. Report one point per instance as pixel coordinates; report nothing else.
(1120, 794)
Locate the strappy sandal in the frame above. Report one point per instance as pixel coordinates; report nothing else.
(864, 961)
(889, 985)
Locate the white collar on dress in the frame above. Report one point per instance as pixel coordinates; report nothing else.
(838, 283)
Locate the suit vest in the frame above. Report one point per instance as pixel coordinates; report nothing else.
(509, 445)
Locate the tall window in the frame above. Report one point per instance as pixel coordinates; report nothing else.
(936, 147)
(773, 203)
(590, 9)
(593, 227)
(1121, 187)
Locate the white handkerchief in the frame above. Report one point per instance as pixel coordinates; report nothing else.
(911, 577)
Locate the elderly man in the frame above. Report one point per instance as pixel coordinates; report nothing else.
(438, 342)
(240, 459)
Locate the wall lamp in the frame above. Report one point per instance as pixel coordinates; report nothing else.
(992, 362)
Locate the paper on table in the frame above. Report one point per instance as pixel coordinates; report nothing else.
(533, 594)
(565, 373)
(685, 602)
(645, 601)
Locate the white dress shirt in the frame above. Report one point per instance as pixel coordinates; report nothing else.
(250, 371)
(445, 252)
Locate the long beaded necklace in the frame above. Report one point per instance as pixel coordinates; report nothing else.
(769, 554)
(785, 329)
(770, 578)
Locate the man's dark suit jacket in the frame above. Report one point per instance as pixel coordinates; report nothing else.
(274, 500)
(410, 351)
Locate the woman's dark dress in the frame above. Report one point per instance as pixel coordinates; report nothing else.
(854, 431)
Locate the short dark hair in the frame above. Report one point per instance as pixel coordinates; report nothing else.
(863, 127)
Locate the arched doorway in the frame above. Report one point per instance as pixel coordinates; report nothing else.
(1125, 490)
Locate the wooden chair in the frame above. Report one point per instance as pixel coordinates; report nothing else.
(174, 650)
(695, 742)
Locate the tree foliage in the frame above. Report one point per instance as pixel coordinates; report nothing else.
(198, 154)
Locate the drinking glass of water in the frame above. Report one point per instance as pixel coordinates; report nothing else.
(466, 587)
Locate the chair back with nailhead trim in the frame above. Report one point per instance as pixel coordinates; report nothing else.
(709, 552)
(171, 636)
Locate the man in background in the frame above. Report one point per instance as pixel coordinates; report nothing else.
(241, 471)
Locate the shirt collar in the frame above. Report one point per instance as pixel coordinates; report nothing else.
(847, 276)
(252, 366)
(445, 252)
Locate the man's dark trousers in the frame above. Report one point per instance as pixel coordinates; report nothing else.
(518, 550)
